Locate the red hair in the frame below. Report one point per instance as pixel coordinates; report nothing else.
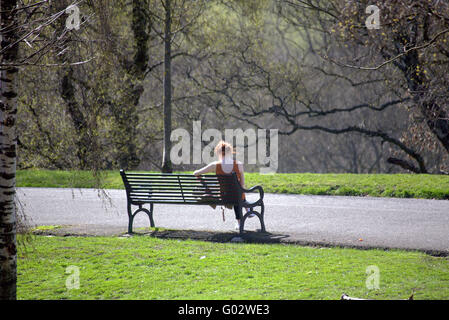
(223, 148)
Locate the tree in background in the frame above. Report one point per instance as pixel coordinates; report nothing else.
(87, 115)
(174, 18)
(112, 107)
(313, 66)
(408, 53)
(290, 65)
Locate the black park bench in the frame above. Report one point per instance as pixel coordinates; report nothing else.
(186, 189)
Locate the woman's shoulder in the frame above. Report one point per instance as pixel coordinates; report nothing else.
(213, 164)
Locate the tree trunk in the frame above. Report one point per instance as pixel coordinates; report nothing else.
(8, 145)
(79, 121)
(126, 113)
(166, 161)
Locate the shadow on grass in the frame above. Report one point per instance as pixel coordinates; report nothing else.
(214, 236)
(263, 237)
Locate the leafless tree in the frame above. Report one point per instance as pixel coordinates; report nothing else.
(316, 67)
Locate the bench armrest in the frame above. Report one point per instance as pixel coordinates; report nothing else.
(258, 188)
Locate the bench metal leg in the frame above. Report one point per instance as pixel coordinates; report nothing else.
(130, 219)
(150, 215)
(260, 215)
(131, 216)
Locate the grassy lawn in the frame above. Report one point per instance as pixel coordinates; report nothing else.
(376, 185)
(142, 267)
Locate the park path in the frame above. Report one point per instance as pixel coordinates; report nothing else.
(349, 221)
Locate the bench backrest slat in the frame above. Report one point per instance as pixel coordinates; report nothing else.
(181, 188)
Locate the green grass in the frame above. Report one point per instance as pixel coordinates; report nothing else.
(143, 267)
(376, 185)
(66, 179)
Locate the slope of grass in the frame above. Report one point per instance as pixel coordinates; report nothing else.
(376, 185)
(143, 267)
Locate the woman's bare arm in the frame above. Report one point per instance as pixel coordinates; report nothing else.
(209, 168)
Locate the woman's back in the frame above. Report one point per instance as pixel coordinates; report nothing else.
(227, 166)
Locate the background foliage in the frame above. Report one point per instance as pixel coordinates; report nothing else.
(345, 99)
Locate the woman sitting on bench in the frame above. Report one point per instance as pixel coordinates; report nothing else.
(226, 165)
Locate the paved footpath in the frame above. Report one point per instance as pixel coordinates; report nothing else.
(321, 220)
